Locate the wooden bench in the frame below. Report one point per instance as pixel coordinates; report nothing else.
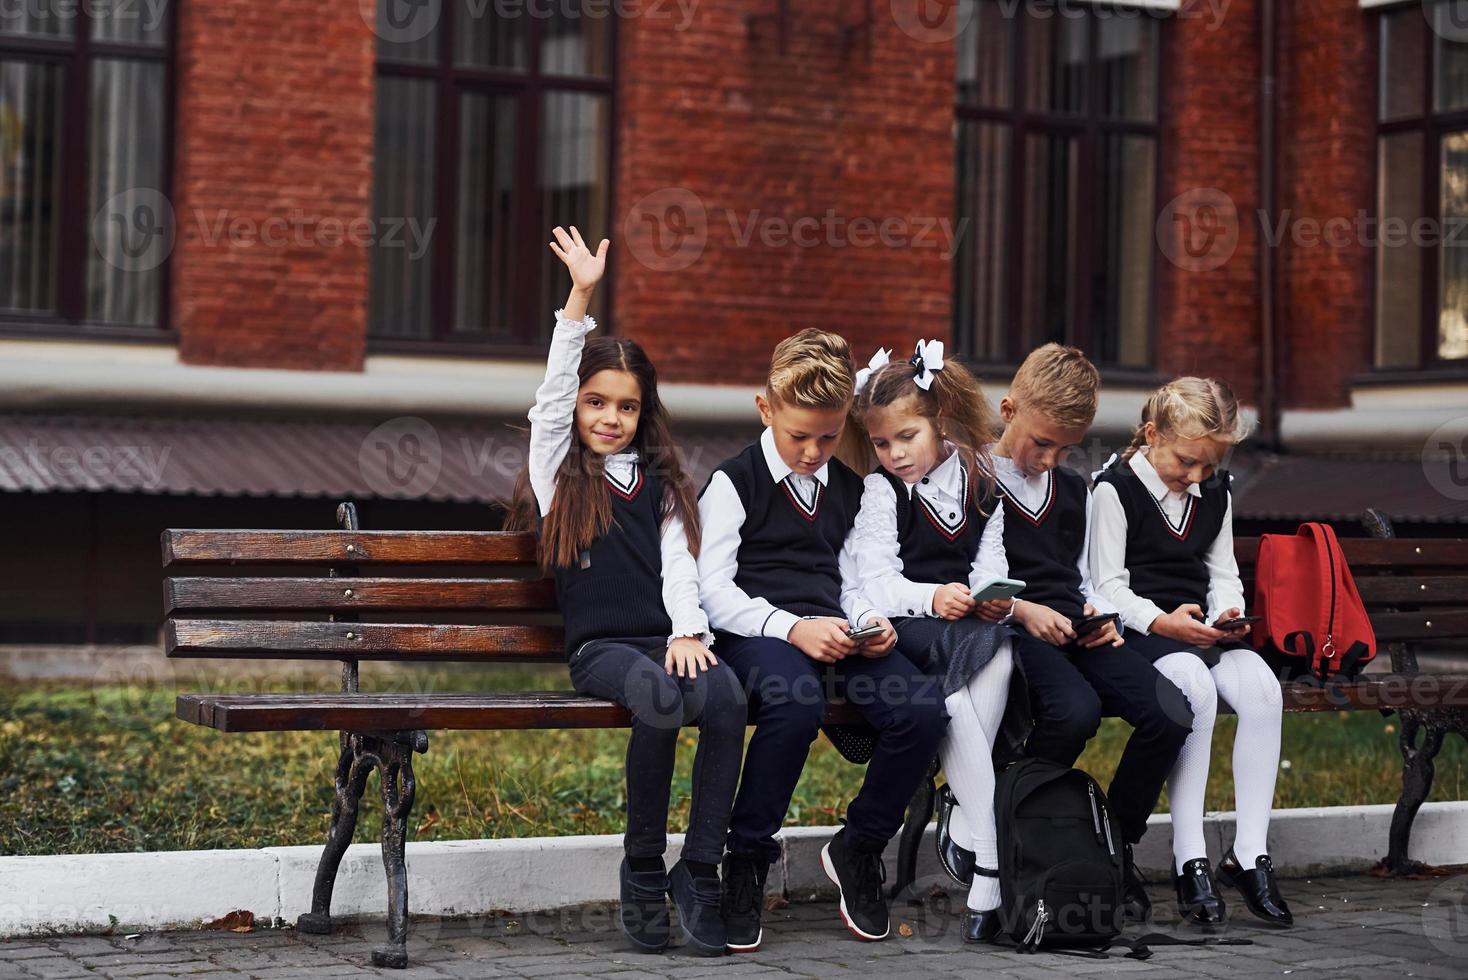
(308, 594)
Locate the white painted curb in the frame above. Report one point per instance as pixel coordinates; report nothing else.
(181, 889)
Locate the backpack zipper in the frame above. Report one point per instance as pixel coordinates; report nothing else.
(1095, 814)
(1110, 847)
(1036, 935)
(1327, 650)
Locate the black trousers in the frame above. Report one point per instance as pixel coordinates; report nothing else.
(630, 672)
(1071, 688)
(787, 701)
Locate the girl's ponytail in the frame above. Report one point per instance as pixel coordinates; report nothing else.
(1193, 408)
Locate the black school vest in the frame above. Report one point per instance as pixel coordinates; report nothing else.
(789, 547)
(1164, 561)
(937, 545)
(1044, 546)
(615, 590)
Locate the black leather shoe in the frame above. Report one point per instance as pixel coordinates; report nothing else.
(643, 915)
(1135, 903)
(1198, 900)
(979, 927)
(957, 861)
(1257, 886)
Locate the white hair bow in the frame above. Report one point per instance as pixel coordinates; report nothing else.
(926, 359)
(879, 360)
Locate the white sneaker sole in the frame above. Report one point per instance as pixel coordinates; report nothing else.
(747, 949)
(830, 870)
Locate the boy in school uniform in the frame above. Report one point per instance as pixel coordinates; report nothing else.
(1074, 679)
(776, 580)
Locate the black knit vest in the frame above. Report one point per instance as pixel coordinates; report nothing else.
(1044, 548)
(788, 548)
(1165, 563)
(937, 547)
(615, 589)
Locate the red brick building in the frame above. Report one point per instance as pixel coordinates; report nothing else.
(238, 236)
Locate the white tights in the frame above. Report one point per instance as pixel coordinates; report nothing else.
(975, 712)
(1246, 683)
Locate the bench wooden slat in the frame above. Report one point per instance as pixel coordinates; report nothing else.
(1372, 553)
(1428, 624)
(237, 546)
(344, 594)
(516, 710)
(1413, 590)
(288, 640)
(491, 711)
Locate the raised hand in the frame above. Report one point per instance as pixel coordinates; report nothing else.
(586, 267)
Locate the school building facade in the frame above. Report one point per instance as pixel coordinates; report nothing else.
(261, 255)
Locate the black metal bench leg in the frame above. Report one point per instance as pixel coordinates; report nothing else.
(919, 812)
(397, 806)
(351, 780)
(1417, 775)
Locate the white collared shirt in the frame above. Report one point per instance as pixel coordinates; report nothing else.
(877, 545)
(722, 514)
(1108, 556)
(552, 423)
(1030, 493)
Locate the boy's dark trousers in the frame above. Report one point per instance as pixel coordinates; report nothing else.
(1072, 687)
(787, 702)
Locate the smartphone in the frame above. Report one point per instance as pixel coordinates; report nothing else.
(865, 632)
(998, 588)
(1233, 624)
(1087, 625)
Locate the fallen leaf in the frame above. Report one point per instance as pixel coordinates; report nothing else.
(239, 920)
(905, 931)
(773, 902)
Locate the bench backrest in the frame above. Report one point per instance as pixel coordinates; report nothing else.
(477, 596)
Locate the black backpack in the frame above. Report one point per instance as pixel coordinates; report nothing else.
(1060, 859)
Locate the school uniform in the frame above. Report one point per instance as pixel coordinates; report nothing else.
(1046, 543)
(626, 598)
(1156, 549)
(774, 550)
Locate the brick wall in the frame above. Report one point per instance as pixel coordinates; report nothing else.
(273, 120)
(752, 135)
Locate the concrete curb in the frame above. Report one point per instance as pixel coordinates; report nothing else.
(181, 889)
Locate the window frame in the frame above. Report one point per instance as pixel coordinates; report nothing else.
(528, 86)
(1090, 128)
(1433, 126)
(75, 55)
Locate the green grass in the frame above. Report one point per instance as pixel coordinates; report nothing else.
(108, 768)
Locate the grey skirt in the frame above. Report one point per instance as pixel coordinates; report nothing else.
(952, 649)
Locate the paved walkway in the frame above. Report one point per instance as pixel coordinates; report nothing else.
(1346, 927)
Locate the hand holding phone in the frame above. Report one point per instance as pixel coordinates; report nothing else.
(865, 632)
(1087, 625)
(1236, 622)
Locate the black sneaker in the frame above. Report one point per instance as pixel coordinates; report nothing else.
(742, 901)
(697, 902)
(859, 875)
(644, 912)
(1135, 903)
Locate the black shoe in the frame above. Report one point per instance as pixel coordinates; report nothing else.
(644, 912)
(859, 875)
(1257, 886)
(743, 898)
(697, 902)
(979, 927)
(1135, 903)
(957, 861)
(1198, 900)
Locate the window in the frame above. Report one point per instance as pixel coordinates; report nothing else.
(1057, 180)
(493, 125)
(1422, 188)
(85, 224)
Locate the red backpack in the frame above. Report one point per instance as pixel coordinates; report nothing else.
(1313, 617)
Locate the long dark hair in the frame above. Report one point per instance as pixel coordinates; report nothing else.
(582, 509)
